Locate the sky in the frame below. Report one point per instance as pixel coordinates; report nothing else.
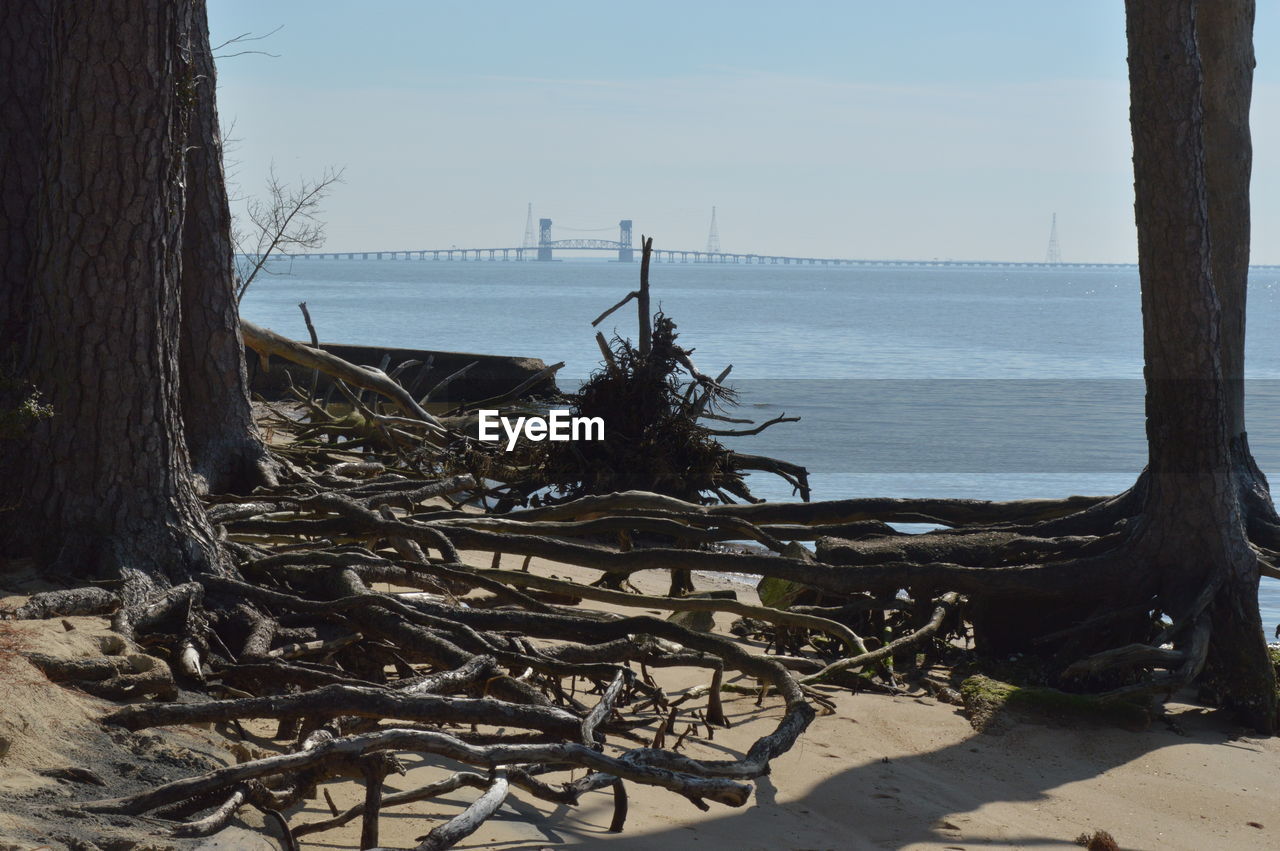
(923, 129)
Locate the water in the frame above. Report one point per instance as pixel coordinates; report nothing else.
(991, 384)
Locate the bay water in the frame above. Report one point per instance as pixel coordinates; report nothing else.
(914, 381)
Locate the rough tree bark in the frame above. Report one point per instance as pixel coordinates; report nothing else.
(1191, 533)
(1224, 33)
(1224, 37)
(109, 485)
(1237, 664)
(227, 453)
(24, 42)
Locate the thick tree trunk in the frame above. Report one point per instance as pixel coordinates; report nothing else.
(1192, 530)
(109, 481)
(227, 453)
(1224, 33)
(1224, 36)
(24, 42)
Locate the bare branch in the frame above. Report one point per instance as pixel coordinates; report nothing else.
(245, 38)
(286, 221)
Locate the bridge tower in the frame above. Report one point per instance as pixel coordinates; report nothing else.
(625, 254)
(544, 239)
(528, 229)
(713, 238)
(1053, 255)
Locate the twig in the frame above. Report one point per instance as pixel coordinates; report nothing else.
(603, 316)
(315, 344)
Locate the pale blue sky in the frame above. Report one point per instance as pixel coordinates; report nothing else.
(836, 129)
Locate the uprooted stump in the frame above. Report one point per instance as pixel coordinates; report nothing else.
(653, 440)
(652, 400)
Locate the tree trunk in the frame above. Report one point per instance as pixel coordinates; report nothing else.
(1192, 530)
(1224, 36)
(24, 42)
(227, 453)
(109, 486)
(1224, 32)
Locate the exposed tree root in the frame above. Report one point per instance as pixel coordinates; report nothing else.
(308, 638)
(511, 671)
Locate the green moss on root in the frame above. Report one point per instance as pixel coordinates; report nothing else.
(987, 700)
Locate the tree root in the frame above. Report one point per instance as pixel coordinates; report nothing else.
(73, 601)
(511, 656)
(339, 700)
(127, 677)
(641, 766)
(469, 820)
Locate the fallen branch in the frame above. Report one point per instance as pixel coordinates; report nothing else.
(267, 343)
(469, 820)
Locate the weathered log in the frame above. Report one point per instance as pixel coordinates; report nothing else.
(267, 343)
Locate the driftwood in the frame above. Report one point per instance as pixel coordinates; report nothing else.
(266, 343)
(469, 820)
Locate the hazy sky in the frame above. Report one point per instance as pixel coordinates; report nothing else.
(931, 128)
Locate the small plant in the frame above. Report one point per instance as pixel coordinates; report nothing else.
(1099, 840)
(15, 419)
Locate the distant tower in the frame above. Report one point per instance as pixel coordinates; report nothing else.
(625, 252)
(713, 238)
(1053, 255)
(544, 239)
(530, 240)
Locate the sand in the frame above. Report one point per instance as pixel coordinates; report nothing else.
(901, 772)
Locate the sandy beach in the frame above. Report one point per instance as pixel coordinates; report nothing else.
(905, 772)
(882, 771)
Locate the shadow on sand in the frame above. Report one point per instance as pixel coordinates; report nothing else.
(920, 779)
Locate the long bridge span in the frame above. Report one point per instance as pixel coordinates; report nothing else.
(624, 252)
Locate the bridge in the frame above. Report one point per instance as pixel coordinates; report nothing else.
(624, 252)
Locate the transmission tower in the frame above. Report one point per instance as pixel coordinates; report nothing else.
(530, 241)
(713, 238)
(1053, 255)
